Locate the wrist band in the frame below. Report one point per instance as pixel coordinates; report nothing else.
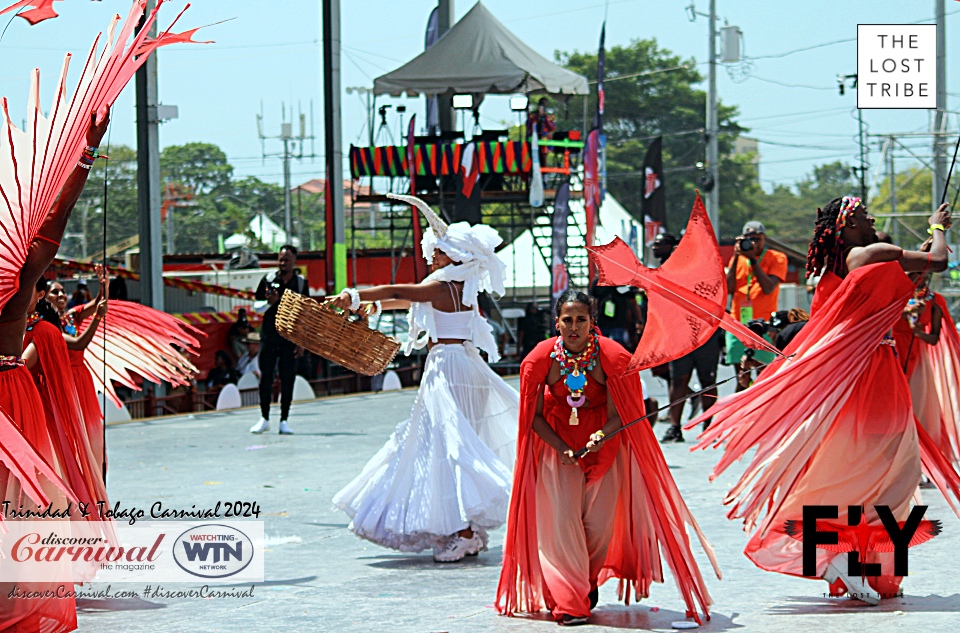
(936, 227)
(80, 163)
(354, 298)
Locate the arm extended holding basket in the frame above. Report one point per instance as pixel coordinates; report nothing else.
(397, 296)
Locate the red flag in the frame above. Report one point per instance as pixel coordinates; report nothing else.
(419, 263)
(687, 295)
(591, 190)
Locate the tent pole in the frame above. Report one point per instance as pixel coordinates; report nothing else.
(584, 127)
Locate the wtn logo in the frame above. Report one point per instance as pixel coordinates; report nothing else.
(202, 550)
(213, 551)
(857, 538)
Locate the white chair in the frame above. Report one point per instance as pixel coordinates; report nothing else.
(111, 412)
(248, 381)
(391, 381)
(229, 398)
(302, 390)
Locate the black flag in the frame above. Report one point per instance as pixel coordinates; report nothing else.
(654, 204)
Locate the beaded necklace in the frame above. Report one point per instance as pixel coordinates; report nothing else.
(574, 368)
(69, 323)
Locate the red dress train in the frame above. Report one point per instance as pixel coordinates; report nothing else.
(831, 426)
(651, 519)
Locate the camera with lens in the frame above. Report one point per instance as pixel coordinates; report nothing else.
(760, 327)
(746, 243)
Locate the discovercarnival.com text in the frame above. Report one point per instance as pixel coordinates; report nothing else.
(149, 591)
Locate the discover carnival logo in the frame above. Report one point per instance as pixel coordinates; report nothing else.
(213, 551)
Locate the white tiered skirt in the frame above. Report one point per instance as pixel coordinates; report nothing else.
(448, 466)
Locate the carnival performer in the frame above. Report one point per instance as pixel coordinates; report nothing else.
(442, 480)
(851, 440)
(77, 343)
(574, 524)
(20, 402)
(928, 351)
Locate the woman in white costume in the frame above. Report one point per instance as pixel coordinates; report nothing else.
(443, 478)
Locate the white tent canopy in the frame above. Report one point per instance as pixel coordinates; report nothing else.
(480, 56)
(266, 231)
(525, 266)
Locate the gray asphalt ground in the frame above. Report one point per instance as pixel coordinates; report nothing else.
(320, 577)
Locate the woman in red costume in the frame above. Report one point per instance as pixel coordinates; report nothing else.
(46, 356)
(22, 410)
(928, 350)
(574, 524)
(77, 343)
(851, 440)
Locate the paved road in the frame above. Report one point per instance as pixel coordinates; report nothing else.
(322, 578)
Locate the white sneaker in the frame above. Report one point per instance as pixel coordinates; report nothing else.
(285, 428)
(856, 588)
(261, 427)
(456, 549)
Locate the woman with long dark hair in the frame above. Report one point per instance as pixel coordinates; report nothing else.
(833, 425)
(576, 523)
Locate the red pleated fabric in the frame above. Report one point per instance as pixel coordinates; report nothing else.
(833, 425)
(68, 433)
(89, 404)
(26, 449)
(651, 521)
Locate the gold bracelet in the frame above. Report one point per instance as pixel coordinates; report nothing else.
(936, 227)
(600, 433)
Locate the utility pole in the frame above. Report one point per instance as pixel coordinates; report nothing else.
(862, 169)
(892, 175)
(445, 102)
(292, 148)
(940, 120)
(713, 126)
(148, 183)
(336, 246)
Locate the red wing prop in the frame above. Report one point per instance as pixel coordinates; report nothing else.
(36, 161)
(25, 464)
(687, 295)
(42, 10)
(136, 340)
(872, 538)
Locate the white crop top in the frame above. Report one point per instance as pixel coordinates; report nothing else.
(454, 325)
(429, 324)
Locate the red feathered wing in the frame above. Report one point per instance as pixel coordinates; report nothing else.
(687, 295)
(42, 10)
(135, 340)
(36, 161)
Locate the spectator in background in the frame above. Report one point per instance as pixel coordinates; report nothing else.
(541, 120)
(796, 318)
(276, 349)
(81, 296)
(531, 329)
(617, 312)
(238, 331)
(117, 289)
(753, 279)
(249, 361)
(663, 246)
(223, 372)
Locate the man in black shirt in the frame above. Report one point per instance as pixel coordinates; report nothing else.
(273, 347)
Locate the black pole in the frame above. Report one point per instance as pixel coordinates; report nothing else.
(863, 161)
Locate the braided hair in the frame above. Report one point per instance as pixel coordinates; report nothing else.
(826, 242)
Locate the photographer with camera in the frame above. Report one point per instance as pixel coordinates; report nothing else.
(273, 347)
(753, 279)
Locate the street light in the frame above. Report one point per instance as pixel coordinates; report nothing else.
(862, 170)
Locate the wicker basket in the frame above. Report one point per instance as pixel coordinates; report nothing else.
(333, 336)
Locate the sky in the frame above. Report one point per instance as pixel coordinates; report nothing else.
(267, 56)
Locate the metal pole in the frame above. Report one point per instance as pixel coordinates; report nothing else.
(148, 184)
(863, 159)
(940, 120)
(287, 222)
(333, 146)
(445, 111)
(713, 127)
(893, 192)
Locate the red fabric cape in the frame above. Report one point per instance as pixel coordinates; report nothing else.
(634, 555)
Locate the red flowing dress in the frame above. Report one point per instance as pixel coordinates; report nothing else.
(933, 373)
(651, 520)
(22, 417)
(831, 426)
(86, 391)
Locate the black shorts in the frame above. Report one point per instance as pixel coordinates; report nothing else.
(704, 359)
